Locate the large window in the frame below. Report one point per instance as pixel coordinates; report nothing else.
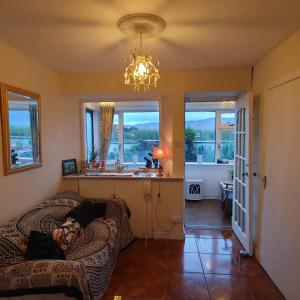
(135, 131)
(200, 136)
(140, 135)
(209, 136)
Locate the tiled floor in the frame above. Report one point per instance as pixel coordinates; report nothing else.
(205, 212)
(206, 265)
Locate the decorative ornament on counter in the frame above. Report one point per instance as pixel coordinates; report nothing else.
(148, 163)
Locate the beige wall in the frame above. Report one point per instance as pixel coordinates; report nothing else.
(281, 62)
(171, 88)
(22, 190)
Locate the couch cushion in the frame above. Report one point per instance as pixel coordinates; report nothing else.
(95, 238)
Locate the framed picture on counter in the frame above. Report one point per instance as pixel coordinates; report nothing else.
(69, 167)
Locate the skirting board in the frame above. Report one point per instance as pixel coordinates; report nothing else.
(168, 235)
(208, 197)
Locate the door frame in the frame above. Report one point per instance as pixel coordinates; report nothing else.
(206, 99)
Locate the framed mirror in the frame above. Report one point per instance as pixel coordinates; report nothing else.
(21, 126)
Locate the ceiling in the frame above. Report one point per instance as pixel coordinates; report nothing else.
(81, 35)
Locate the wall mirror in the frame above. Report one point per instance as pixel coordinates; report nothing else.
(21, 124)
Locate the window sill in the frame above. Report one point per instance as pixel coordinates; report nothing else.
(128, 164)
(207, 164)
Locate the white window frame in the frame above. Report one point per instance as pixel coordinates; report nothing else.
(121, 134)
(218, 128)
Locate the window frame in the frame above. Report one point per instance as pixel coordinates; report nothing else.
(91, 112)
(121, 134)
(218, 128)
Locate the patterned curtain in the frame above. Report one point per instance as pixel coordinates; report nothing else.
(107, 110)
(33, 113)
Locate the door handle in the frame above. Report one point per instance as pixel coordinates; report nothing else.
(264, 180)
(254, 173)
(245, 174)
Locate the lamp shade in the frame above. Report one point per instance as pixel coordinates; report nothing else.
(159, 152)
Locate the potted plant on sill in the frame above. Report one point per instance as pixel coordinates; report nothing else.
(93, 155)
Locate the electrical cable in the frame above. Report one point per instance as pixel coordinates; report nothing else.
(158, 199)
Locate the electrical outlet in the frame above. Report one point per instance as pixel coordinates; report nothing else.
(176, 219)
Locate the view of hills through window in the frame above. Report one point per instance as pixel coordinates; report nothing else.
(140, 135)
(200, 136)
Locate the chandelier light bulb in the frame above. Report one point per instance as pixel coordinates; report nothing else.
(141, 70)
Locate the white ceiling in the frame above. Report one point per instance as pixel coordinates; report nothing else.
(82, 34)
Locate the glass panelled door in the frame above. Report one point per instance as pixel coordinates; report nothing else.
(242, 193)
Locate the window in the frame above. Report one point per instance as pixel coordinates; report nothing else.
(140, 134)
(135, 131)
(113, 152)
(227, 119)
(89, 133)
(209, 135)
(226, 138)
(200, 136)
(226, 145)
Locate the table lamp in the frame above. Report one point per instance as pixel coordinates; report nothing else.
(159, 153)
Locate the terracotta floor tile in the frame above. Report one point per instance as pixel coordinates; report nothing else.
(234, 244)
(208, 233)
(186, 262)
(137, 281)
(154, 246)
(167, 270)
(228, 233)
(187, 245)
(217, 246)
(182, 286)
(249, 266)
(189, 230)
(219, 264)
(228, 287)
(263, 288)
(207, 212)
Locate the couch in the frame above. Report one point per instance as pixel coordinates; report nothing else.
(89, 261)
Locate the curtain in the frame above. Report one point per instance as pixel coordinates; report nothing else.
(107, 118)
(33, 113)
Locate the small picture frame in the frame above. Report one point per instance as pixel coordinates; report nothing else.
(69, 167)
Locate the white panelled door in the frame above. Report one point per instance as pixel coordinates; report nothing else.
(279, 241)
(242, 182)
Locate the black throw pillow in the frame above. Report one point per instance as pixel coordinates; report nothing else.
(86, 212)
(42, 246)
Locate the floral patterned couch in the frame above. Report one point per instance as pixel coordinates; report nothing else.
(89, 261)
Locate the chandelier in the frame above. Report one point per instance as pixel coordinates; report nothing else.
(141, 72)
